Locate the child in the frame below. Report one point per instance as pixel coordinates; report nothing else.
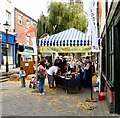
(33, 82)
(22, 76)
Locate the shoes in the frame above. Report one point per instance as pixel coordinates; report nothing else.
(42, 93)
(50, 87)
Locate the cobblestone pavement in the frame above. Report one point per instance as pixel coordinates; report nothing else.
(17, 101)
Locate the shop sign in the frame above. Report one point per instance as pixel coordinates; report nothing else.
(29, 51)
(26, 64)
(67, 49)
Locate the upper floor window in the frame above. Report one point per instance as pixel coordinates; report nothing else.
(27, 40)
(28, 23)
(35, 26)
(8, 17)
(20, 19)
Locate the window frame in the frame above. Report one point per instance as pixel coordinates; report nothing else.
(20, 19)
(8, 17)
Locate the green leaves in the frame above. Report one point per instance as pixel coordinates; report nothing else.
(63, 16)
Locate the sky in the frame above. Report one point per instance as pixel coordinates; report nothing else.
(34, 8)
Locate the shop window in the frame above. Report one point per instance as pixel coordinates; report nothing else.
(10, 56)
(20, 19)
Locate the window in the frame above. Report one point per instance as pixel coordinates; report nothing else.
(28, 23)
(111, 54)
(8, 17)
(20, 19)
(10, 56)
(104, 56)
(28, 40)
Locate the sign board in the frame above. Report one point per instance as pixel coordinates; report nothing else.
(26, 64)
(67, 49)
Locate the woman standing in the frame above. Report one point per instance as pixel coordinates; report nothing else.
(41, 77)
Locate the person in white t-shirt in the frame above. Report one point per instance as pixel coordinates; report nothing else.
(51, 71)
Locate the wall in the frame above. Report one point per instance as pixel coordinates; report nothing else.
(22, 31)
(6, 5)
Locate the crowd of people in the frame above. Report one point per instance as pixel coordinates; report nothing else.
(82, 69)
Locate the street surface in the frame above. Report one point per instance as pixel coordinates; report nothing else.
(17, 101)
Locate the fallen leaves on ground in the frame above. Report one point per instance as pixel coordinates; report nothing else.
(38, 98)
(58, 109)
(64, 97)
(14, 77)
(54, 102)
(77, 99)
(35, 91)
(86, 105)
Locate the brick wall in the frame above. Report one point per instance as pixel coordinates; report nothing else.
(22, 30)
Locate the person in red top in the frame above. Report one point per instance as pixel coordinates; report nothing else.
(41, 79)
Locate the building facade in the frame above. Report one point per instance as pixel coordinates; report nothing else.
(25, 27)
(109, 30)
(7, 14)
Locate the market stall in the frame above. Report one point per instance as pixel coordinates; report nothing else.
(68, 41)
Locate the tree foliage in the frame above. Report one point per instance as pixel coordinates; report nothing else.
(63, 16)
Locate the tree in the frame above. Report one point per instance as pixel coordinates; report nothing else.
(41, 25)
(63, 16)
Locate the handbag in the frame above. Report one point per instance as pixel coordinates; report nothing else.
(40, 75)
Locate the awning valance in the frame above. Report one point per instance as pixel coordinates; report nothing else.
(70, 37)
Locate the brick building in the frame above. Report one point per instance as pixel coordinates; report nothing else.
(25, 27)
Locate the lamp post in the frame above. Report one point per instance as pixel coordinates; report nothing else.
(6, 26)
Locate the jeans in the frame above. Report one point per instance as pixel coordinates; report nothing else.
(51, 80)
(41, 85)
(22, 81)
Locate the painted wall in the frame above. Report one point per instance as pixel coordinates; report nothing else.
(6, 5)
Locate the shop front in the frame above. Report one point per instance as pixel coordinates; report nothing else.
(10, 47)
(110, 58)
(27, 58)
